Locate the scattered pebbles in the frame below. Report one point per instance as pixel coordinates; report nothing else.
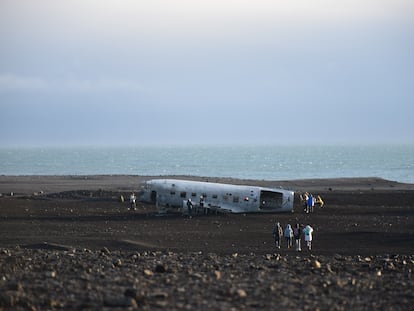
(84, 279)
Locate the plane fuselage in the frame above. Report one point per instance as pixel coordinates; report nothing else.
(173, 193)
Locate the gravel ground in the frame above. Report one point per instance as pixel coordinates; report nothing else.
(75, 246)
(85, 279)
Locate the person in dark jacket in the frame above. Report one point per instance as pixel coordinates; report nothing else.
(277, 234)
(297, 234)
(190, 207)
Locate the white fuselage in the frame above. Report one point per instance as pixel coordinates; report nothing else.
(217, 196)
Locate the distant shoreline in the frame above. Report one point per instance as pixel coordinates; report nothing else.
(27, 184)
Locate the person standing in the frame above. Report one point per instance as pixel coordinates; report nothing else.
(277, 234)
(308, 236)
(132, 201)
(297, 234)
(202, 207)
(190, 207)
(304, 200)
(311, 203)
(289, 235)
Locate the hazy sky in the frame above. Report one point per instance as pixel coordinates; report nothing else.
(215, 71)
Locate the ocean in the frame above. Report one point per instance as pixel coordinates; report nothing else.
(392, 162)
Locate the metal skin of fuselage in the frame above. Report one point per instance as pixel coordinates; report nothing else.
(173, 193)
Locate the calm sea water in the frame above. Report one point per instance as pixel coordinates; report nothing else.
(393, 162)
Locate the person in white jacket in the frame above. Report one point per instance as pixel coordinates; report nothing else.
(308, 236)
(289, 235)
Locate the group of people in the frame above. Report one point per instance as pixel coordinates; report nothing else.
(195, 209)
(309, 201)
(291, 234)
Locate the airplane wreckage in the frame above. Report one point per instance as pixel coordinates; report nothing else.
(207, 197)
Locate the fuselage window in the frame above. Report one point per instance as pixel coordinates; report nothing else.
(183, 194)
(214, 196)
(172, 193)
(235, 199)
(193, 194)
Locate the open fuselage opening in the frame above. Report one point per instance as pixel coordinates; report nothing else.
(270, 200)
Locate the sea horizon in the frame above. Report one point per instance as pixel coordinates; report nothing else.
(255, 161)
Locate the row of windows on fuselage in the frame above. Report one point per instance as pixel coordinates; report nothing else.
(225, 197)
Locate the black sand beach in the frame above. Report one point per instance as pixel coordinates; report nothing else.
(67, 242)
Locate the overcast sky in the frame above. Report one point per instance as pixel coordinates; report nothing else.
(215, 71)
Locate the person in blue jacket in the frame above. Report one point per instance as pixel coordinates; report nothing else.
(311, 204)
